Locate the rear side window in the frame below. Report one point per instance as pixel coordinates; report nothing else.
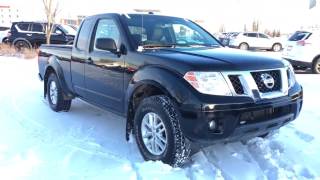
(300, 35)
(37, 27)
(252, 35)
(23, 26)
(84, 35)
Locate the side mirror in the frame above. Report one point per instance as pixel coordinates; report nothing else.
(106, 44)
(59, 32)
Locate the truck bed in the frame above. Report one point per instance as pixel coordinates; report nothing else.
(62, 52)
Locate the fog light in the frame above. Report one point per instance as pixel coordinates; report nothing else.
(212, 125)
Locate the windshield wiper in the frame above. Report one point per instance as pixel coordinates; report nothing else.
(157, 45)
(173, 45)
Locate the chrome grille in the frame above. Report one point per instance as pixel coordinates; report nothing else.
(248, 83)
(236, 83)
(261, 85)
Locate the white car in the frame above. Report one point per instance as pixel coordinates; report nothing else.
(3, 33)
(303, 50)
(255, 40)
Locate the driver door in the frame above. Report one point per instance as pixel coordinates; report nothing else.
(104, 72)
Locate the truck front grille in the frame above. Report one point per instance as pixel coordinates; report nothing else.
(275, 74)
(236, 83)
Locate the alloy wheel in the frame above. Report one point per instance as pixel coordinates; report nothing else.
(154, 133)
(53, 93)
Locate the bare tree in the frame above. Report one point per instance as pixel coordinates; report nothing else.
(51, 8)
(222, 28)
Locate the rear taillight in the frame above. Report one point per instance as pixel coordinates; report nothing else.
(302, 43)
(9, 34)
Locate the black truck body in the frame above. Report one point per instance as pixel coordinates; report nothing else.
(119, 80)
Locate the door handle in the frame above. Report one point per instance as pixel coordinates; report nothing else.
(29, 34)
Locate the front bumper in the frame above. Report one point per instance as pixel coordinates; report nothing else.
(239, 121)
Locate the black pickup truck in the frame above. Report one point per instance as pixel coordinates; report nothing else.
(175, 84)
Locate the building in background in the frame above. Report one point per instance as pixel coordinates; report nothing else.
(8, 15)
(72, 21)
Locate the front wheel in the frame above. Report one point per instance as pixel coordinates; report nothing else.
(316, 66)
(158, 132)
(55, 95)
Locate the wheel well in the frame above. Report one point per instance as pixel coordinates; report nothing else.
(244, 43)
(315, 58)
(45, 79)
(276, 43)
(138, 95)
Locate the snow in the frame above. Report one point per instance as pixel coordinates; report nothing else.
(89, 143)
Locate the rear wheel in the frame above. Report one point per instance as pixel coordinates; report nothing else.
(21, 45)
(316, 66)
(158, 133)
(244, 46)
(276, 47)
(55, 95)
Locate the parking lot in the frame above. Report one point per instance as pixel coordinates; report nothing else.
(89, 143)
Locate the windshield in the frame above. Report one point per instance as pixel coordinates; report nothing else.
(68, 30)
(299, 35)
(158, 31)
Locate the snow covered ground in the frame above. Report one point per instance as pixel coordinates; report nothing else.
(89, 143)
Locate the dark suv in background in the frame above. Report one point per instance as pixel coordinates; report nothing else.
(32, 34)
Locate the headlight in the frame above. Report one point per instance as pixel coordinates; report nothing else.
(291, 75)
(211, 83)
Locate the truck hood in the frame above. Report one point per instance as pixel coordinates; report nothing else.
(223, 59)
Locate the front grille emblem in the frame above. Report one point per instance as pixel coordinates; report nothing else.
(267, 80)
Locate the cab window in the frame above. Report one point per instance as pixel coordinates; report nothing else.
(107, 28)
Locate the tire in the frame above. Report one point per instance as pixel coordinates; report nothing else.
(316, 66)
(244, 46)
(177, 148)
(276, 47)
(21, 45)
(55, 95)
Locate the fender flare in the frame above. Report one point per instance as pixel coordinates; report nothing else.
(22, 39)
(53, 62)
(169, 82)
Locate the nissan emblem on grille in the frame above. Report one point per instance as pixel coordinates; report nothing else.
(267, 80)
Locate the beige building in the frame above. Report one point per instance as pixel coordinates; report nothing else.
(8, 15)
(72, 21)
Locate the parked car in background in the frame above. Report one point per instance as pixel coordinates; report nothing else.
(32, 34)
(225, 37)
(75, 27)
(303, 50)
(255, 40)
(4, 33)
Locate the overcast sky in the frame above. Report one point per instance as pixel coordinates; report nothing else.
(287, 15)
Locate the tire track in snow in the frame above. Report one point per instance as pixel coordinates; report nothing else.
(234, 161)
